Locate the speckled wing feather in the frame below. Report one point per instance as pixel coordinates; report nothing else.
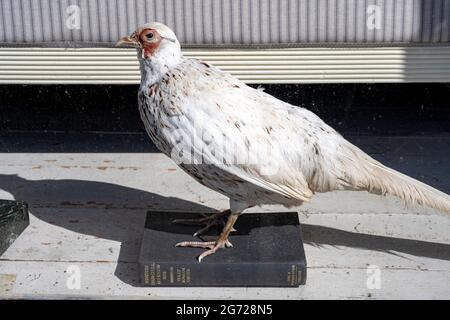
(227, 119)
(287, 150)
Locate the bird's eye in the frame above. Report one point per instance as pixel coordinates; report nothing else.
(149, 35)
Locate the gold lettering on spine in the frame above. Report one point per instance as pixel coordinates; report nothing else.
(155, 274)
(158, 274)
(152, 274)
(146, 275)
(188, 275)
(172, 276)
(293, 275)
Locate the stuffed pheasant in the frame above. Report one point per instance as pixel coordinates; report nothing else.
(246, 144)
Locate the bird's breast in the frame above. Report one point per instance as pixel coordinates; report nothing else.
(157, 112)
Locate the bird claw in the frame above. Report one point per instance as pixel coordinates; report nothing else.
(208, 221)
(212, 246)
(205, 218)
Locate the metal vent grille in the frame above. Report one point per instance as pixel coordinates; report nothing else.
(229, 21)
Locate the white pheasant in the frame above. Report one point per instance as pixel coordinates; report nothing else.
(246, 144)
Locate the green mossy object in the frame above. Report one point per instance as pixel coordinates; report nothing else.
(14, 219)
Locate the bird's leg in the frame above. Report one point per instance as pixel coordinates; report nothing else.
(208, 221)
(213, 246)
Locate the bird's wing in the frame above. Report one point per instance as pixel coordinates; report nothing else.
(247, 133)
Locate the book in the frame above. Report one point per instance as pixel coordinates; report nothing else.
(14, 219)
(268, 252)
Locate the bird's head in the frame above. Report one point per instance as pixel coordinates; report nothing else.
(153, 40)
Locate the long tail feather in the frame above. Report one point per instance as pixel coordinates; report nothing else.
(388, 181)
(370, 175)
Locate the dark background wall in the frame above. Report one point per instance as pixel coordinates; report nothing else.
(379, 109)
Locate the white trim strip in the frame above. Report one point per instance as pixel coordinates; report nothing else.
(299, 65)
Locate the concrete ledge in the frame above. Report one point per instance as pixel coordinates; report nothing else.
(88, 210)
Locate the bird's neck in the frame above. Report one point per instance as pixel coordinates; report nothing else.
(154, 69)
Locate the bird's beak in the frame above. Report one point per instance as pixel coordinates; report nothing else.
(128, 41)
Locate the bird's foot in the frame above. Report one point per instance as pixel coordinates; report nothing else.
(208, 221)
(212, 246)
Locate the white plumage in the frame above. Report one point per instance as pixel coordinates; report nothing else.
(246, 144)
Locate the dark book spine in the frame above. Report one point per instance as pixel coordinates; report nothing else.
(156, 274)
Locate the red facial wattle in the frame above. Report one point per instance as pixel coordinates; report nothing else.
(149, 44)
